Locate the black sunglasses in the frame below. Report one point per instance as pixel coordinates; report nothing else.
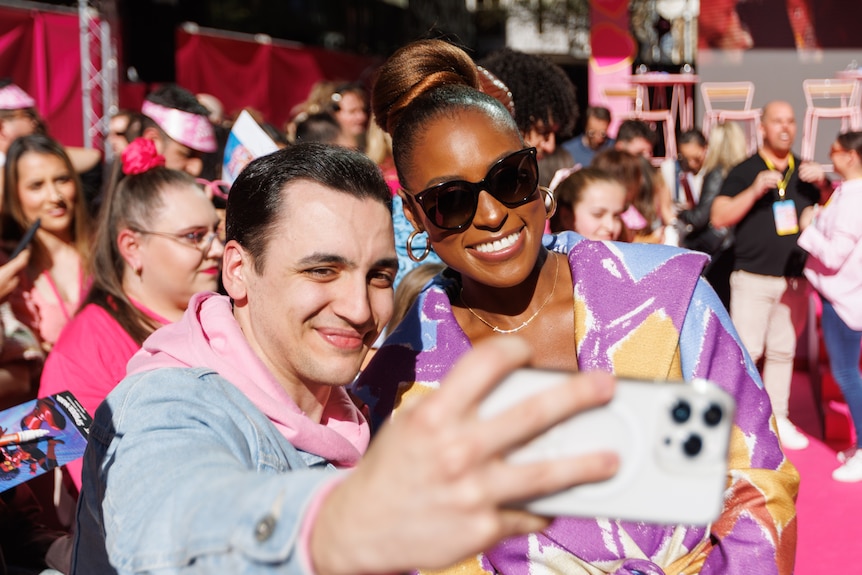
(512, 181)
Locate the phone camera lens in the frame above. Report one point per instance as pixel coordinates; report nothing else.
(692, 445)
(681, 411)
(713, 415)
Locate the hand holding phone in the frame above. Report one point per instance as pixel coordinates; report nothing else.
(672, 439)
(28, 237)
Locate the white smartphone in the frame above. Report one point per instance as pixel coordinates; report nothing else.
(672, 439)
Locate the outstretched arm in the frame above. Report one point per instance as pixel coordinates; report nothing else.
(435, 481)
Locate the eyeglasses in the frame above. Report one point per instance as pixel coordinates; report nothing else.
(512, 181)
(597, 134)
(199, 239)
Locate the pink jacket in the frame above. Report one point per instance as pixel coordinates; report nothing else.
(834, 266)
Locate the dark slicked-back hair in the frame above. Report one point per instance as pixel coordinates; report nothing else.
(633, 129)
(320, 127)
(257, 197)
(598, 112)
(693, 136)
(173, 96)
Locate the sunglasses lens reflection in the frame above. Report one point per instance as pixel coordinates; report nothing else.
(512, 182)
(453, 206)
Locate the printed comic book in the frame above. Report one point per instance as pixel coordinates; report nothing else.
(39, 435)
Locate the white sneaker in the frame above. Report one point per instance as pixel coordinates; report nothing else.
(851, 470)
(843, 456)
(791, 438)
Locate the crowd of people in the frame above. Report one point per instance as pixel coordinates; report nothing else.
(286, 376)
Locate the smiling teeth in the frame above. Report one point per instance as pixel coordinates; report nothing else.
(498, 245)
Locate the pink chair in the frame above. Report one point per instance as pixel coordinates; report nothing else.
(638, 109)
(829, 98)
(731, 101)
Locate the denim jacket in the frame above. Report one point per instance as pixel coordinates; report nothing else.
(233, 496)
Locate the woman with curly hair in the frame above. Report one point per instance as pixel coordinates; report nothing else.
(546, 108)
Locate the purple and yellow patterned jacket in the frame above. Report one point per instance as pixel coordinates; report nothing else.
(640, 311)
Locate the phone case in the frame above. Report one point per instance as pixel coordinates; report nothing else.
(672, 439)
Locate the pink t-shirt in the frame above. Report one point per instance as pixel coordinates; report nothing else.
(89, 359)
(45, 314)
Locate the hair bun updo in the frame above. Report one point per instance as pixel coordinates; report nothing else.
(415, 70)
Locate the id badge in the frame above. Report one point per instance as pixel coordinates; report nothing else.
(786, 221)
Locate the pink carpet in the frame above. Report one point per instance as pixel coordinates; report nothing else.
(828, 511)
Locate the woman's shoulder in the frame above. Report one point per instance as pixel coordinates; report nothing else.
(90, 317)
(93, 330)
(645, 253)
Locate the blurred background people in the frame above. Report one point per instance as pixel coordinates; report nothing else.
(684, 174)
(378, 147)
(636, 138)
(589, 202)
(349, 106)
(18, 115)
(834, 268)
(767, 197)
(179, 125)
(642, 219)
(41, 184)
(546, 107)
(597, 120)
(727, 148)
(118, 138)
(323, 128)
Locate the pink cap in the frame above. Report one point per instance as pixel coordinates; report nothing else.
(192, 130)
(14, 98)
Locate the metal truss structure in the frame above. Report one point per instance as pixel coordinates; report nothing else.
(99, 76)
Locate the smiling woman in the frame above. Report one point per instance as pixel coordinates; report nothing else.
(639, 311)
(156, 246)
(40, 183)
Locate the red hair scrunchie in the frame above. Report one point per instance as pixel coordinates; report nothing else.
(140, 156)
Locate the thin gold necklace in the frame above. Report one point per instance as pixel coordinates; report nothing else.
(497, 329)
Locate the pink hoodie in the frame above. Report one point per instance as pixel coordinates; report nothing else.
(209, 336)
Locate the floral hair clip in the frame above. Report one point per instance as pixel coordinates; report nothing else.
(141, 156)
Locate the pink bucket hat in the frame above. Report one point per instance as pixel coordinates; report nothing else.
(14, 98)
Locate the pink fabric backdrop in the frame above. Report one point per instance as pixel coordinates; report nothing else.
(613, 49)
(271, 78)
(40, 52)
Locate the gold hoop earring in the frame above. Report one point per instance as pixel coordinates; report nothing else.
(410, 253)
(550, 201)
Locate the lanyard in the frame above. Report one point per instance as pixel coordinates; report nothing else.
(782, 185)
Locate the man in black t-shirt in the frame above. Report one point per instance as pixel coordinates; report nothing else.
(769, 198)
